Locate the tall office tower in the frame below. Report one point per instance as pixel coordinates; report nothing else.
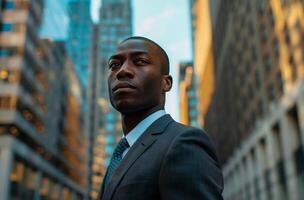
(79, 37)
(73, 144)
(96, 164)
(257, 110)
(115, 25)
(202, 54)
(32, 165)
(188, 99)
(1, 8)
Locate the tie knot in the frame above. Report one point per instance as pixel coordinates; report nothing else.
(121, 146)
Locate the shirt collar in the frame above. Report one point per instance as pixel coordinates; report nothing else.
(140, 128)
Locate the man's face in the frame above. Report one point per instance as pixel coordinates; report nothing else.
(134, 77)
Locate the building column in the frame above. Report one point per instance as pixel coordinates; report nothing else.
(6, 165)
(271, 157)
(243, 179)
(250, 175)
(37, 186)
(290, 143)
(261, 165)
(300, 106)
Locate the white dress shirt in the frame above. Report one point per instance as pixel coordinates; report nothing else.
(140, 128)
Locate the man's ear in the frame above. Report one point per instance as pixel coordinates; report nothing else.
(167, 83)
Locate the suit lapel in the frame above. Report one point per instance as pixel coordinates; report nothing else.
(140, 146)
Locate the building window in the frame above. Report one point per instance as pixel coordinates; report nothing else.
(258, 80)
(261, 7)
(284, 2)
(271, 17)
(109, 149)
(282, 176)
(268, 184)
(271, 93)
(254, 53)
(6, 27)
(7, 52)
(7, 102)
(110, 139)
(260, 108)
(293, 68)
(8, 5)
(16, 177)
(267, 63)
(193, 113)
(9, 76)
(280, 82)
(287, 35)
(192, 103)
(264, 33)
(276, 48)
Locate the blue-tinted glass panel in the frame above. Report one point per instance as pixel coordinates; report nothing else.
(109, 149)
(109, 127)
(193, 113)
(8, 5)
(191, 93)
(110, 139)
(192, 102)
(6, 27)
(110, 117)
(4, 53)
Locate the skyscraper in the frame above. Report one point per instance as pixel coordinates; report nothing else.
(256, 111)
(1, 8)
(203, 54)
(115, 25)
(93, 125)
(188, 98)
(32, 74)
(79, 37)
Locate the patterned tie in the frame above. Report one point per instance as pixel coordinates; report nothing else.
(116, 158)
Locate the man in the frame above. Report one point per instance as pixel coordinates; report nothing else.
(157, 158)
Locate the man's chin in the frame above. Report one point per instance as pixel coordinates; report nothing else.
(125, 107)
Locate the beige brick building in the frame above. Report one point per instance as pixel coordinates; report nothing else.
(256, 112)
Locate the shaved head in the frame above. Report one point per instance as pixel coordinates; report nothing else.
(163, 55)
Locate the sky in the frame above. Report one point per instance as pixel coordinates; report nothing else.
(166, 22)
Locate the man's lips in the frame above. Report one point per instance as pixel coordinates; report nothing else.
(123, 86)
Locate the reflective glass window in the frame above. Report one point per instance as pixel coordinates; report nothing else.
(8, 5)
(6, 27)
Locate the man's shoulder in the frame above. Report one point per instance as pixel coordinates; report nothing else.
(178, 127)
(185, 134)
(174, 129)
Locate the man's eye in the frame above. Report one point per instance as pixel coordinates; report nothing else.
(141, 62)
(114, 64)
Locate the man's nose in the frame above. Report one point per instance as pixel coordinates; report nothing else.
(125, 71)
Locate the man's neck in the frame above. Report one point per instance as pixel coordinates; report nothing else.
(130, 120)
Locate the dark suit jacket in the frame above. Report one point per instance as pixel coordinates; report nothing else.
(169, 161)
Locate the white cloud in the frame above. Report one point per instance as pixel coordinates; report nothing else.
(153, 21)
(178, 48)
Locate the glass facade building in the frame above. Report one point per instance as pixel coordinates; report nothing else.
(42, 156)
(55, 20)
(115, 24)
(79, 37)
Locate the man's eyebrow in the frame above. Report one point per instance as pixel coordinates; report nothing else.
(114, 57)
(139, 53)
(133, 53)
